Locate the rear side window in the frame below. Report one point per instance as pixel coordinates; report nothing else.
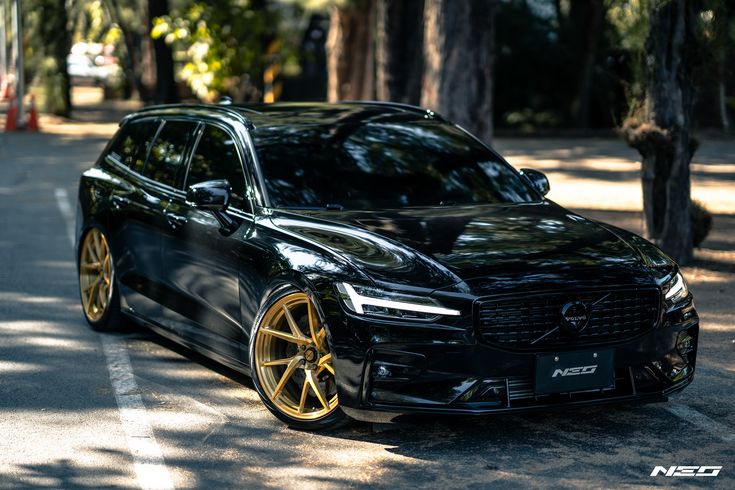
(131, 146)
(168, 153)
(216, 158)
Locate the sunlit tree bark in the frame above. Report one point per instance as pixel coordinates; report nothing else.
(458, 62)
(351, 51)
(662, 133)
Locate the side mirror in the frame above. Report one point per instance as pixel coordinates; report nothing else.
(212, 195)
(538, 180)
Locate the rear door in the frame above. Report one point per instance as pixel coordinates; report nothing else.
(202, 261)
(134, 216)
(142, 215)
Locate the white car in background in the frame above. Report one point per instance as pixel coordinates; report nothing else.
(83, 71)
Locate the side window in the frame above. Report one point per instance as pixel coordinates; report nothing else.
(169, 151)
(216, 158)
(131, 146)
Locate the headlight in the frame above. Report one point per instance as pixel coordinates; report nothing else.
(676, 289)
(364, 300)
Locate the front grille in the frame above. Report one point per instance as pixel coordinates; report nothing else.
(535, 320)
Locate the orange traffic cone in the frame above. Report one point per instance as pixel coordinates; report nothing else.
(11, 116)
(33, 116)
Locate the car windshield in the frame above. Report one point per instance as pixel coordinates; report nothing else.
(384, 163)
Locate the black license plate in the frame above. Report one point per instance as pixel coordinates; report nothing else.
(574, 371)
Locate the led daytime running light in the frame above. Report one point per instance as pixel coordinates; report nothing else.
(679, 287)
(358, 301)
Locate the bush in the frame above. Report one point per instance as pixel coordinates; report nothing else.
(701, 223)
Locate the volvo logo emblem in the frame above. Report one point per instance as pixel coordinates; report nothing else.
(574, 317)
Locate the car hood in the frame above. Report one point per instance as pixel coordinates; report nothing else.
(440, 247)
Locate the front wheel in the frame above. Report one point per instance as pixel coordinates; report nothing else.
(292, 366)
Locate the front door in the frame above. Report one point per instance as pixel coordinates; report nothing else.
(201, 260)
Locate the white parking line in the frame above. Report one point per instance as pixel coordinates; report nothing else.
(62, 200)
(699, 419)
(150, 467)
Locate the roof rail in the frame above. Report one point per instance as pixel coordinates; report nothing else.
(223, 109)
(397, 105)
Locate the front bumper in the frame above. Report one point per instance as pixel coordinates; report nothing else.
(456, 375)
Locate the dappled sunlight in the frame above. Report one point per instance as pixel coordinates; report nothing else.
(605, 174)
(86, 468)
(717, 322)
(7, 367)
(25, 298)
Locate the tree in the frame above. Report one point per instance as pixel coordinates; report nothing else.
(222, 44)
(661, 130)
(165, 92)
(134, 62)
(458, 62)
(399, 50)
(51, 44)
(587, 18)
(351, 51)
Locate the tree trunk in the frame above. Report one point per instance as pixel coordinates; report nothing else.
(131, 60)
(351, 52)
(54, 44)
(166, 91)
(663, 135)
(458, 62)
(399, 50)
(595, 14)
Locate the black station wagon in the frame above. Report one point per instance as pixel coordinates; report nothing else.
(372, 260)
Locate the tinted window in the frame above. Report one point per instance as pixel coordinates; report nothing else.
(169, 151)
(216, 158)
(131, 145)
(386, 162)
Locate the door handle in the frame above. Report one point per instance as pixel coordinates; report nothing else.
(176, 220)
(118, 201)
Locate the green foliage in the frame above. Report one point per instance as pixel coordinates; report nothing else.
(220, 46)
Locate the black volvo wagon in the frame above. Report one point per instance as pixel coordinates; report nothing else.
(371, 260)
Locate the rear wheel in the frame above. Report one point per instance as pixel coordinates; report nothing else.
(100, 299)
(292, 365)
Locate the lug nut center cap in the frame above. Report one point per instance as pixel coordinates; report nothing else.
(311, 355)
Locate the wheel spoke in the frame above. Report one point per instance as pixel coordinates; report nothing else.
(292, 325)
(304, 393)
(101, 297)
(290, 369)
(285, 336)
(311, 379)
(321, 338)
(314, 325)
(92, 284)
(91, 254)
(90, 298)
(91, 266)
(326, 363)
(97, 245)
(278, 362)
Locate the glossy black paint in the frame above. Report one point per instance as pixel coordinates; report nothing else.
(196, 269)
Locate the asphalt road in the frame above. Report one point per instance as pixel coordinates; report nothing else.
(198, 425)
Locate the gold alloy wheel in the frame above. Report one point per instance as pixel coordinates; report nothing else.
(293, 360)
(95, 275)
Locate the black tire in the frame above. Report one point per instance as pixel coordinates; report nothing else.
(111, 318)
(336, 418)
